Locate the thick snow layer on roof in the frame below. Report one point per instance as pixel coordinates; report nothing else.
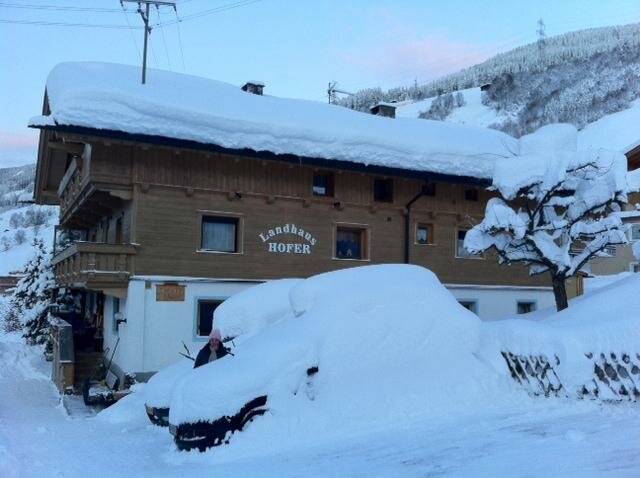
(547, 154)
(110, 96)
(617, 131)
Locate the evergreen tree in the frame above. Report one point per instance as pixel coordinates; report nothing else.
(29, 304)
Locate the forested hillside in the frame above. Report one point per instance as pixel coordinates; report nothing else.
(577, 78)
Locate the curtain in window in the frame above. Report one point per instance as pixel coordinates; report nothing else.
(348, 244)
(219, 234)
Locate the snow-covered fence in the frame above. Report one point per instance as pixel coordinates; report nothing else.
(535, 373)
(615, 377)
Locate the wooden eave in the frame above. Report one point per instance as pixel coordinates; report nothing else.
(633, 158)
(120, 136)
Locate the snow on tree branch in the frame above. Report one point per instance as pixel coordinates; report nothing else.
(559, 206)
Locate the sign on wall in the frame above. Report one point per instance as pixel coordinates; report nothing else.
(300, 241)
(170, 293)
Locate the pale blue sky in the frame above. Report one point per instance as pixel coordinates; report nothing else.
(295, 47)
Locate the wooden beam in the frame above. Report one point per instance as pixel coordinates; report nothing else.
(71, 148)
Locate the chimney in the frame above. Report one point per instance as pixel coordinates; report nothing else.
(254, 87)
(384, 109)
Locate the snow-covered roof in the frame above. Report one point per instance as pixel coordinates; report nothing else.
(172, 105)
(617, 131)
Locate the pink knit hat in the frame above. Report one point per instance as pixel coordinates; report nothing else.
(215, 334)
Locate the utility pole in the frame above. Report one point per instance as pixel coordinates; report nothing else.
(147, 29)
(542, 37)
(333, 90)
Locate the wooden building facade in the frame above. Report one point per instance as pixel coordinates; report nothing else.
(167, 228)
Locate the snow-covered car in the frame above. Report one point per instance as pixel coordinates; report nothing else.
(355, 342)
(238, 317)
(159, 388)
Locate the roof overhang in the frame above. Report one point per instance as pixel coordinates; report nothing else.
(263, 155)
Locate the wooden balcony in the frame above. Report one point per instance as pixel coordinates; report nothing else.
(94, 266)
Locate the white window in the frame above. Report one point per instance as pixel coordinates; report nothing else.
(470, 305)
(460, 249)
(219, 234)
(204, 322)
(424, 234)
(351, 243)
(524, 307)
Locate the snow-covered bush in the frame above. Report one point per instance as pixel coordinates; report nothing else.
(557, 207)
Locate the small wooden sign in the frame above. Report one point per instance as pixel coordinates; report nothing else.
(170, 293)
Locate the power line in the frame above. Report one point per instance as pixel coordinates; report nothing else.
(65, 24)
(133, 37)
(164, 41)
(221, 8)
(144, 14)
(63, 8)
(184, 68)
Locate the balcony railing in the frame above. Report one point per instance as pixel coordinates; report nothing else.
(70, 187)
(94, 265)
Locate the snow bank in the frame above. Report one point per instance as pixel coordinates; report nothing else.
(253, 309)
(129, 409)
(110, 96)
(603, 322)
(616, 131)
(591, 284)
(390, 342)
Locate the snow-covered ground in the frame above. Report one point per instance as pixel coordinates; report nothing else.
(501, 430)
(472, 113)
(544, 437)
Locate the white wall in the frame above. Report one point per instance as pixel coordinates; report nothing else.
(152, 337)
(498, 302)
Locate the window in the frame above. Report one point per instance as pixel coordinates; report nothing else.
(424, 234)
(205, 316)
(219, 234)
(635, 267)
(323, 184)
(460, 250)
(470, 305)
(116, 309)
(383, 190)
(526, 307)
(635, 232)
(351, 243)
(471, 194)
